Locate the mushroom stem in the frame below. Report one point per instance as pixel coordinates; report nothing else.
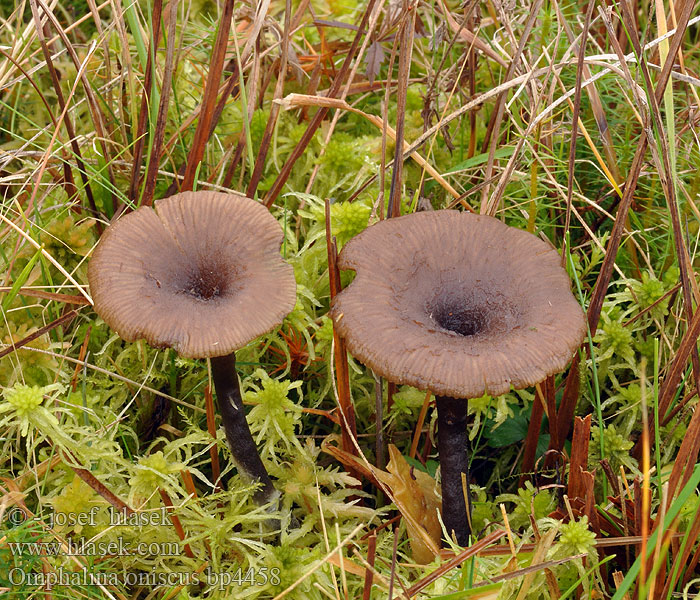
(453, 447)
(233, 417)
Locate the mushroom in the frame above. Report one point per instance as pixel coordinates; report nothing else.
(461, 305)
(201, 273)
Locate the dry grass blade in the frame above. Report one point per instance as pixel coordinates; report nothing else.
(470, 38)
(159, 134)
(379, 442)
(419, 425)
(533, 569)
(405, 52)
(579, 457)
(258, 22)
(574, 125)
(466, 554)
(528, 574)
(320, 114)
(211, 428)
(347, 409)
(532, 437)
(32, 293)
(605, 275)
(175, 520)
(393, 563)
(81, 356)
(98, 117)
(146, 99)
(62, 320)
(300, 100)
(677, 366)
(201, 134)
(99, 487)
(66, 119)
(226, 90)
(497, 116)
(369, 573)
(546, 393)
(275, 108)
(646, 492)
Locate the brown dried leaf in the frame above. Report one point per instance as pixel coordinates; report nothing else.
(416, 497)
(579, 457)
(373, 59)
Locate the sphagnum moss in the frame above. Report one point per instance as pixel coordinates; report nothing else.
(24, 408)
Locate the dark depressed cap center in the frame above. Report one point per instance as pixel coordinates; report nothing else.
(458, 304)
(200, 272)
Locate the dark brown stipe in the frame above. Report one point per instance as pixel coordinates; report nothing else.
(233, 418)
(453, 448)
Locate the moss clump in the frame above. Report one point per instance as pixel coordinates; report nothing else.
(23, 403)
(348, 219)
(527, 501)
(617, 447)
(275, 419)
(152, 472)
(25, 365)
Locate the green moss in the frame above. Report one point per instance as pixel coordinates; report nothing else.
(617, 448)
(528, 501)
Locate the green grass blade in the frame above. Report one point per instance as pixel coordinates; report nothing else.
(21, 280)
(673, 511)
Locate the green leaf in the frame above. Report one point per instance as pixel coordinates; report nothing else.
(486, 591)
(430, 466)
(511, 431)
(21, 280)
(480, 159)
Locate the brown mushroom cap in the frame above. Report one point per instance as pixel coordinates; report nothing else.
(201, 272)
(458, 304)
